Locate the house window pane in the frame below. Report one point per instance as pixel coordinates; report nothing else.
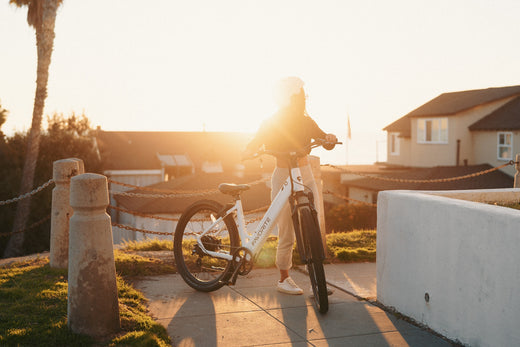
(432, 130)
(420, 130)
(505, 146)
(394, 143)
(429, 131)
(444, 130)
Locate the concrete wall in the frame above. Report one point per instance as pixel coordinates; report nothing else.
(451, 264)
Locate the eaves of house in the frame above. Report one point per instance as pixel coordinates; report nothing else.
(495, 179)
(140, 150)
(453, 103)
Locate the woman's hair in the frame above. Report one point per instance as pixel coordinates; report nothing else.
(285, 89)
(297, 103)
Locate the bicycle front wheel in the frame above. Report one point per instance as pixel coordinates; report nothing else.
(199, 270)
(314, 254)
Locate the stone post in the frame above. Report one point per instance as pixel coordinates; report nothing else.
(63, 171)
(517, 173)
(80, 164)
(92, 298)
(318, 200)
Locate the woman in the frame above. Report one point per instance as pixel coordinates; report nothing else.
(289, 129)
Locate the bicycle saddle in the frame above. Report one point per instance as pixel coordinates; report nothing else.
(233, 189)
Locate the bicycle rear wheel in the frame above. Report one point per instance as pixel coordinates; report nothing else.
(314, 255)
(199, 270)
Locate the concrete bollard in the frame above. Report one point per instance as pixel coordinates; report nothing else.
(63, 171)
(80, 164)
(93, 307)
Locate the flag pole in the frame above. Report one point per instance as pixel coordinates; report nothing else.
(349, 136)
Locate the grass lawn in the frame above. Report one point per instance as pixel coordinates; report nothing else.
(33, 297)
(352, 246)
(33, 309)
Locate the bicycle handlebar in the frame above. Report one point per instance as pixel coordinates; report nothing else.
(297, 153)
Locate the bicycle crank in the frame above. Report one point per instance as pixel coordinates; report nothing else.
(242, 263)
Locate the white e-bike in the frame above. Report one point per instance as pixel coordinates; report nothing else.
(212, 245)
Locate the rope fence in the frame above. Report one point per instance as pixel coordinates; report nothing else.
(164, 193)
(436, 180)
(167, 193)
(34, 225)
(152, 216)
(29, 194)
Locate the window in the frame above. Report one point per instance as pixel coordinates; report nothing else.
(505, 146)
(434, 130)
(394, 143)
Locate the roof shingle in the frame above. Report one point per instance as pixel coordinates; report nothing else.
(506, 117)
(448, 104)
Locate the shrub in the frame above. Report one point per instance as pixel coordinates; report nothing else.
(349, 217)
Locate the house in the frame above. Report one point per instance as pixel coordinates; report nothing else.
(460, 128)
(365, 188)
(171, 161)
(455, 134)
(143, 158)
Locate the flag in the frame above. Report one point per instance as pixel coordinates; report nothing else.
(349, 132)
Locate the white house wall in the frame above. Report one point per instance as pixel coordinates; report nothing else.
(164, 226)
(486, 149)
(361, 194)
(403, 158)
(120, 235)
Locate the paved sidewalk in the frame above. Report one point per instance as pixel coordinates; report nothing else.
(253, 313)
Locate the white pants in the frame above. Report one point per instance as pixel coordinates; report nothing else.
(286, 236)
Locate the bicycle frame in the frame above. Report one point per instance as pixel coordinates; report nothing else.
(255, 241)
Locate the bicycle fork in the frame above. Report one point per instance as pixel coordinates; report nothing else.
(302, 200)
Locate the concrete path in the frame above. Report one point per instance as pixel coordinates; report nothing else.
(253, 313)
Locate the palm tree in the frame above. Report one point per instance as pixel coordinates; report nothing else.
(41, 15)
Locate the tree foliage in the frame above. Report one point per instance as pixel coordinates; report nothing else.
(3, 118)
(65, 137)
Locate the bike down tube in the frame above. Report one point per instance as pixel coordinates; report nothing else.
(268, 222)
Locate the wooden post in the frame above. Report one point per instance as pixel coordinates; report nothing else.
(318, 200)
(517, 173)
(63, 171)
(93, 307)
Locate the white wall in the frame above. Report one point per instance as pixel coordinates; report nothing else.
(464, 254)
(486, 149)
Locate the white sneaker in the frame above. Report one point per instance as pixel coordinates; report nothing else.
(289, 287)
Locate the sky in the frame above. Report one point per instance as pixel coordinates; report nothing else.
(196, 65)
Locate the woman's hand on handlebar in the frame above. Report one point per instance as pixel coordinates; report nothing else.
(331, 138)
(329, 142)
